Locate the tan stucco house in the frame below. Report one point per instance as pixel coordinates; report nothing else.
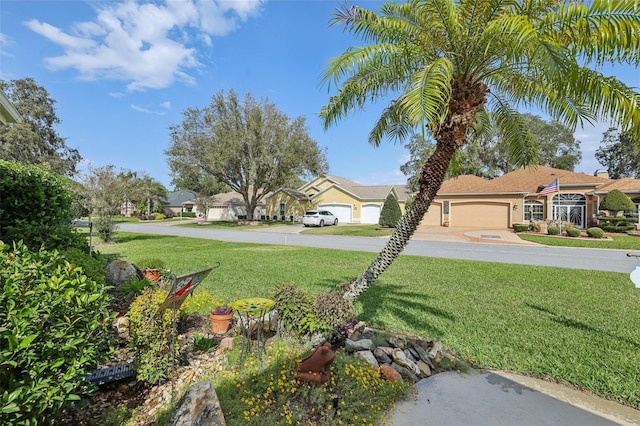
(471, 201)
(349, 201)
(230, 206)
(465, 201)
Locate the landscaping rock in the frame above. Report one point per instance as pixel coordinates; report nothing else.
(425, 370)
(389, 373)
(436, 351)
(381, 356)
(358, 345)
(406, 374)
(119, 271)
(398, 341)
(198, 407)
(367, 357)
(400, 358)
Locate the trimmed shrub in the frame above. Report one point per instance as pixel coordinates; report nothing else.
(616, 201)
(150, 338)
(553, 230)
(54, 330)
(333, 309)
(595, 232)
(37, 208)
(188, 214)
(390, 214)
(573, 232)
(159, 216)
(520, 227)
(295, 310)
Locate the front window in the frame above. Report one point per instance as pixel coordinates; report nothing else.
(533, 211)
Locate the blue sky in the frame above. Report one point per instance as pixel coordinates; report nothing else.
(123, 72)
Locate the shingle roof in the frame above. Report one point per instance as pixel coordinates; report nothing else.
(531, 178)
(624, 185)
(465, 184)
(176, 198)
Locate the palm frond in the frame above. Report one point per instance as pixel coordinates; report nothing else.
(520, 144)
(393, 123)
(429, 93)
(604, 31)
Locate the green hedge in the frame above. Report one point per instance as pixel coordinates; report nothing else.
(54, 324)
(36, 208)
(520, 227)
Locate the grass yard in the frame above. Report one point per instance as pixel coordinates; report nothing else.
(615, 241)
(570, 326)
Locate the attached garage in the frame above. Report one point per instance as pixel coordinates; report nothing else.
(342, 212)
(480, 215)
(433, 217)
(370, 213)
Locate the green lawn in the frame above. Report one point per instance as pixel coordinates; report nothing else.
(614, 241)
(570, 326)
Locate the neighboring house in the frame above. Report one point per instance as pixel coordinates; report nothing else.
(229, 206)
(8, 113)
(470, 201)
(465, 201)
(349, 201)
(179, 201)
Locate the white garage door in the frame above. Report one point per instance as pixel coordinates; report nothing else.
(370, 213)
(480, 215)
(342, 212)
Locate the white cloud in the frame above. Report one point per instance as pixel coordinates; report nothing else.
(166, 105)
(116, 94)
(5, 42)
(140, 109)
(148, 45)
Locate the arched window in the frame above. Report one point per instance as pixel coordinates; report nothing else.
(533, 210)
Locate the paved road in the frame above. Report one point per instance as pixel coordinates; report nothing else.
(577, 258)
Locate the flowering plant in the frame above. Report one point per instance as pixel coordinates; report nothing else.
(222, 310)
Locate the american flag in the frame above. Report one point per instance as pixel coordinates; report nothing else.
(550, 189)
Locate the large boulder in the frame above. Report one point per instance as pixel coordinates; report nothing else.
(119, 271)
(198, 407)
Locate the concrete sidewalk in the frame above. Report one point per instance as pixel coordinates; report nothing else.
(500, 398)
(468, 235)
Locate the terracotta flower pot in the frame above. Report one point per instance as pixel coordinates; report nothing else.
(220, 323)
(151, 274)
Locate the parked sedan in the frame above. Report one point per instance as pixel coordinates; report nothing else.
(319, 218)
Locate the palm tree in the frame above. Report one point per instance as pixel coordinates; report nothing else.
(446, 65)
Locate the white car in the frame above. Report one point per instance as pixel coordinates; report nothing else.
(319, 218)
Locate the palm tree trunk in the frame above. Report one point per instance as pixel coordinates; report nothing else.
(431, 178)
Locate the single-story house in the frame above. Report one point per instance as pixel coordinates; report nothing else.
(471, 201)
(229, 206)
(349, 201)
(465, 201)
(179, 201)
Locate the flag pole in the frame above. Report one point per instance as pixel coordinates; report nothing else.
(559, 207)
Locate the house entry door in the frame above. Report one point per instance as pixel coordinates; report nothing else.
(570, 208)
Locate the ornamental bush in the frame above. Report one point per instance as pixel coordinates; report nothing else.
(595, 232)
(520, 227)
(553, 230)
(616, 201)
(390, 214)
(573, 232)
(150, 336)
(54, 330)
(37, 208)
